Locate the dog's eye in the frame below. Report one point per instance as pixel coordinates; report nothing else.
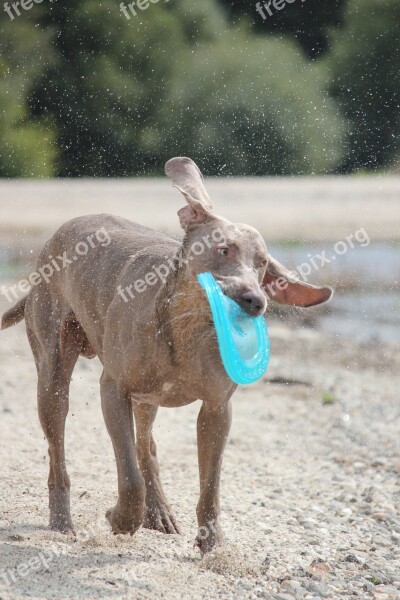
(223, 251)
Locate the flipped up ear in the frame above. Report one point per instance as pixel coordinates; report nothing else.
(281, 286)
(187, 177)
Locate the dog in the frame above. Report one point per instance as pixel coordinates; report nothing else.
(136, 304)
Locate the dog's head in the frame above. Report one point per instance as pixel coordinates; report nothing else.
(235, 254)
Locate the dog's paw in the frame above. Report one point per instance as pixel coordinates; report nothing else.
(209, 536)
(62, 525)
(123, 524)
(160, 518)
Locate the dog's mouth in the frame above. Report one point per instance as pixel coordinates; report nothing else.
(252, 312)
(252, 309)
(250, 300)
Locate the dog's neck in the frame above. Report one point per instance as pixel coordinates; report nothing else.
(185, 317)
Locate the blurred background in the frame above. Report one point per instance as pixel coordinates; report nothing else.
(308, 95)
(86, 91)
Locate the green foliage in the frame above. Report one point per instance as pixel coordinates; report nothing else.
(127, 94)
(366, 82)
(328, 399)
(254, 105)
(27, 148)
(110, 77)
(86, 92)
(307, 21)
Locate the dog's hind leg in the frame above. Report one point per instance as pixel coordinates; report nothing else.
(158, 514)
(127, 515)
(56, 351)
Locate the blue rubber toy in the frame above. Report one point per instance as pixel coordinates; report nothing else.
(243, 340)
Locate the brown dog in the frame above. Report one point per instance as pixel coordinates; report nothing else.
(136, 304)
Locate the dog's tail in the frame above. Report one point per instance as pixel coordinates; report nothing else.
(14, 315)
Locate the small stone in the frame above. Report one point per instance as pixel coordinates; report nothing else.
(386, 590)
(266, 564)
(283, 597)
(308, 523)
(359, 465)
(319, 570)
(352, 558)
(347, 511)
(380, 516)
(311, 541)
(317, 588)
(246, 585)
(293, 587)
(16, 537)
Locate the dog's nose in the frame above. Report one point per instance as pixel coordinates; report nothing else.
(253, 302)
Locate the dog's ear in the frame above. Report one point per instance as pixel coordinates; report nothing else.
(187, 177)
(282, 286)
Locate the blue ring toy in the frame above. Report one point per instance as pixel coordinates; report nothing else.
(243, 340)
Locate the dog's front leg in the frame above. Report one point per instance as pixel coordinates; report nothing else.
(127, 515)
(158, 514)
(213, 427)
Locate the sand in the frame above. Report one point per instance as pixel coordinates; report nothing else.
(303, 481)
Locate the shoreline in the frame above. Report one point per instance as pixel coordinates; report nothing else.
(321, 208)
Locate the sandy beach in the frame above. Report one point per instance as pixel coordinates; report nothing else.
(311, 481)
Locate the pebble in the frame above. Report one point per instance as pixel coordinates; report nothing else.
(246, 585)
(293, 587)
(311, 541)
(318, 569)
(390, 592)
(368, 586)
(352, 558)
(347, 511)
(380, 516)
(317, 588)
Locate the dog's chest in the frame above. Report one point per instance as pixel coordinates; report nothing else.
(186, 364)
(200, 376)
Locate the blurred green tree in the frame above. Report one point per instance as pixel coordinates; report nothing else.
(366, 82)
(253, 106)
(27, 148)
(308, 21)
(102, 88)
(127, 94)
(111, 78)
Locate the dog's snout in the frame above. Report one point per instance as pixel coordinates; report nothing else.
(253, 302)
